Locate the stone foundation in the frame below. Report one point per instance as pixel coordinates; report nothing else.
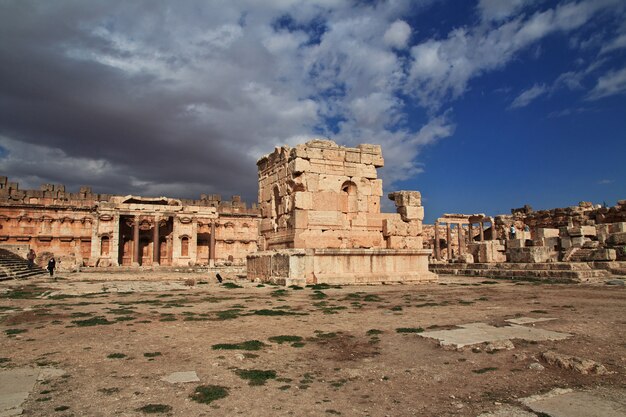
(340, 266)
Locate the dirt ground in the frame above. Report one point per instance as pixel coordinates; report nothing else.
(116, 339)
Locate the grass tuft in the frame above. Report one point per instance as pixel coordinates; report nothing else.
(155, 408)
(285, 339)
(256, 376)
(206, 394)
(409, 330)
(247, 345)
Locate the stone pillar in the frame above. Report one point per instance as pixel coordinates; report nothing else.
(95, 241)
(193, 242)
(437, 249)
(136, 241)
(114, 243)
(470, 233)
(155, 241)
(448, 240)
(212, 245)
(494, 233)
(459, 232)
(482, 231)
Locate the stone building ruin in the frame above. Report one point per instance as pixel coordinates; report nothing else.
(85, 229)
(321, 219)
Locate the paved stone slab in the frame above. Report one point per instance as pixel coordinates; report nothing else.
(15, 385)
(181, 377)
(568, 403)
(529, 320)
(475, 333)
(508, 411)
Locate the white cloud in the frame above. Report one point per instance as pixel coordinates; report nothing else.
(611, 83)
(441, 69)
(617, 43)
(398, 34)
(501, 9)
(527, 96)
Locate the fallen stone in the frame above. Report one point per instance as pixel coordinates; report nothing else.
(181, 377)
(619, 282)
(478, 333)
(508, 411)
(529, 320)
(535, 366)
(583, 366)
(49, 373)
(15, 385)
(568, 403)
(499, 345)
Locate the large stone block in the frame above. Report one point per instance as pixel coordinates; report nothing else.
(543, 232)
(616, 239)
(353, 156)
(326, 201)
(516, 243)
(617, 227)
(533, 254)
(303, 200)
(326, 218)
(299, 165)
(411, 213)
(367, 171)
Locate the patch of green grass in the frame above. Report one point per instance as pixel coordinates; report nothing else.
(42, 399)
(168, 317)
(298, 344)
(121, 311)
(152, 354)
(296, 287)
(155, 408)
(247, 345)
(206, 394)
(279, 293)
(285, 339)
(333, 309)
(372, 297)
(11, 332)
(428, 304)
(396, 308)
(465, 303)
(539, 311)
(256, 376)
(231, 285)
(125, 318)
(331, 411)
(318, 295)
(80, 314)
(116, 355)
(4, 360)
(372, 332)
(284, 387)
(488, 282)
(483, 370)
(22, 293)
(61, 408)
(409, 330)
(319, 286)
(266, 312)
(94, 321)
(228, 314)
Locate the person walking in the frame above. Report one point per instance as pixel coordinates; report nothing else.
(51, 265)
(513, 232)
(31, 258)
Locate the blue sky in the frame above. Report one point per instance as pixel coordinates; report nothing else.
(482, 106)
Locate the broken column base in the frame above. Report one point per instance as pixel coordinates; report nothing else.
(340, 266)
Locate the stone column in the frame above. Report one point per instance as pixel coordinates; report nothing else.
(437, 249)
(459, 232)
(494, 234)
(212, 246)
(193, 241)
(155, 241)
(448, 240)
(482, 231)
(136, 241)
(470, 233)
(114, 242)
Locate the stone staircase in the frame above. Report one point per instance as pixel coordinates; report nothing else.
(553, 271)
(13, 266)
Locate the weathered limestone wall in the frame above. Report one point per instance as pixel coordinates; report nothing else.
(321, 220)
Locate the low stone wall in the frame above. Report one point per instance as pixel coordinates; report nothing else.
(340, 266)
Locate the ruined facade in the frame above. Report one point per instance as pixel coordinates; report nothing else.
(321, 219)
(88, 229)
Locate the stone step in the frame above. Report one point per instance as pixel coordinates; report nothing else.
(553, 275)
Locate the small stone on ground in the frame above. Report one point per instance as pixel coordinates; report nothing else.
(181, 377)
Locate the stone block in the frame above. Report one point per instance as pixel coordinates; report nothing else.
(351, 169)
(324, 218)
(607, 255)
(367, 171)
(333, 183)
(377, 187)
(303, 200)
(516, 243)
(369, 148)
(373, 204)
(543, 232)
(396, 242)
(353, 156)
(566, 242)
(616, 239)
(533, 254)
(299, 165)
(415, 228)
(409, 213)
(395, 227)
(579, 241)
(617, 227)
(325, 201)
(414, 242)
(334, 155)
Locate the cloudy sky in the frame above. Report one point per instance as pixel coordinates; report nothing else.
(482, 106)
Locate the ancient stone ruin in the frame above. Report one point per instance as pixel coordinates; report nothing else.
(85, 229)
(321, 219)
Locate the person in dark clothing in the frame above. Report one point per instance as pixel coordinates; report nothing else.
(219, 278)
(31, 258)
(51, 265)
